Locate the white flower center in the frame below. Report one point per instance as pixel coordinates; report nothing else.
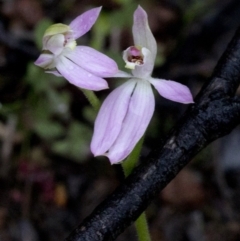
(133, 56)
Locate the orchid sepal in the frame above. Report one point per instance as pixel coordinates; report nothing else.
(142, 34)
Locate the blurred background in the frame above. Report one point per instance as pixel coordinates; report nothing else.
(49, 180)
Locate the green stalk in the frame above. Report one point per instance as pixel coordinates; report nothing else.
(92, 98)
(142, 228)
(128, 165)
(131, 161)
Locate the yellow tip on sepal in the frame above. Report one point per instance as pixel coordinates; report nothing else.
(57, 28)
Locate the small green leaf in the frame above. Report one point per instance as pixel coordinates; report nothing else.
(48, 130)
(75, 145)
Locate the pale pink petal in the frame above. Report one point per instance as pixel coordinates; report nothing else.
(122, 74)
(172, 90)
(55, 44)
(78, 76)
(54, 72)
(93, 61)
(83, 23)
(108, 123)
(142, 34)
(44, 60)
(135, 123)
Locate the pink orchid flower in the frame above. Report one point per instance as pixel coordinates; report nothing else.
(125, 114)
(80, 65)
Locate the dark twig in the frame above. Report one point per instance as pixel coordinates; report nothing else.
(215, 113)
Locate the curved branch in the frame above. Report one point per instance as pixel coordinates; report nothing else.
(215, 114)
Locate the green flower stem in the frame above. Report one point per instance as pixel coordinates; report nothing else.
(142, 228)
(131, 161)
(128, 165)
(92, 98)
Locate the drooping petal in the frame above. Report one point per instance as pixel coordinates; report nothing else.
(172, 90)
(55, 44)
(78, 76)
(44, 60)
(83, 23)
(110, 118)
(93, 61)
(139, 114)
(142, 34)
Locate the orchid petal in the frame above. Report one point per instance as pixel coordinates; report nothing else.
(121, 74)
(55, 44)
(84, 22)
(142, 34)
(172, 90)
(78, 76)
(109, 121)
(93, 61)
(54, 72)
(44, 60)
(139, 114)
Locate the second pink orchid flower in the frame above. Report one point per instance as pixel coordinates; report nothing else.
(125, 114)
